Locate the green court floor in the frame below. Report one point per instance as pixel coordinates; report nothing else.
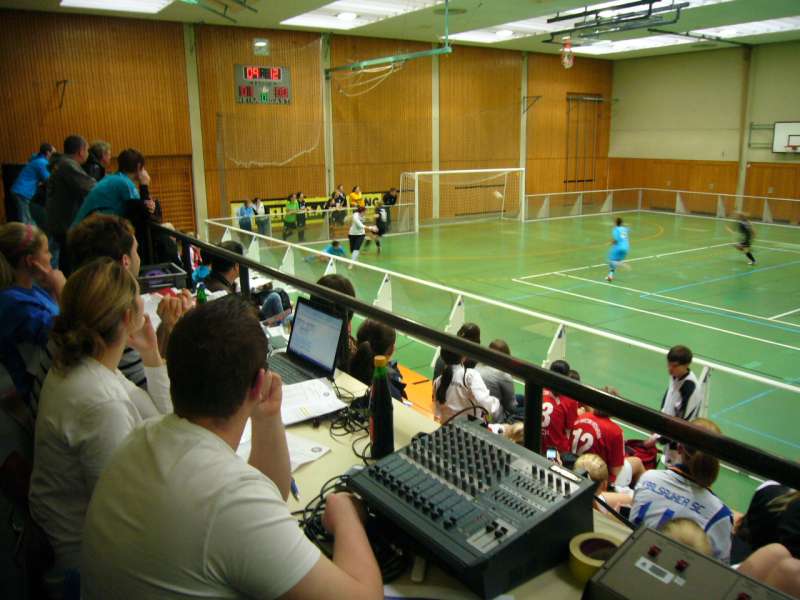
(686, 284)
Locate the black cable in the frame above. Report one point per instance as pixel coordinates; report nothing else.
(463, 410)
(614, 513)
(364, 455)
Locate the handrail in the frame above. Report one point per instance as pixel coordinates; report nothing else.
(524, 311)
(669, 190)
(725, 448)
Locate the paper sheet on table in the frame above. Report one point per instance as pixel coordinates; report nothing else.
(301, 450)
(151, 302)
(308, 399)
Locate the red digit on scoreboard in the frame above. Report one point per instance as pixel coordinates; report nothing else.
(251, 73)
(275, 73)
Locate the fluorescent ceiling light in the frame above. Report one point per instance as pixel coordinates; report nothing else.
(260, 44)
(752, 28)
(364, 12)
(140, 6)
(540, 26)
(642, 43)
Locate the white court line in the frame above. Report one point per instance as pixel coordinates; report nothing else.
(681, 300)
(655, 314)
(775, 249)
(788, 312)
(663, 254)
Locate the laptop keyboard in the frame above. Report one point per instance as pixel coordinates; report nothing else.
(289, 372)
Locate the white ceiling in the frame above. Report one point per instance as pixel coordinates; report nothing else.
(427, 26)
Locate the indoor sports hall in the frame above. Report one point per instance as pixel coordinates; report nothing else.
(597, 187)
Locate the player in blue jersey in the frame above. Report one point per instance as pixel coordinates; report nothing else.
(620, 244)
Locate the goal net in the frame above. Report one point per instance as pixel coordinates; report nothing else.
(464, 194)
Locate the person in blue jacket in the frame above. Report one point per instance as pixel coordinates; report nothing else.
(29, 292)
(27, 182)
(246, 214)
(620, 245)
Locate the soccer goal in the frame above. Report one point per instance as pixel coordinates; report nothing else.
(468, 194)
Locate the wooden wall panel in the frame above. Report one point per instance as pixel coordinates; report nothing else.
(126, 83)
(479, 114)
(693, 175)
(381, 127)
(778, 181)
(547, 119)
(269, 150)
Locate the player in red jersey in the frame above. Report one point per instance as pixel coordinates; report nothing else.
(595, 432)
(558, 414)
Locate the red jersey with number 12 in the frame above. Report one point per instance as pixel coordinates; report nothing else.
(601, 436)
(558, 415)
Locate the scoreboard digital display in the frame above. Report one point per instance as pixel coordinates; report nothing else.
(262, 85)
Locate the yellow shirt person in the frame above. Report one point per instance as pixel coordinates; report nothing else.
(355, 198)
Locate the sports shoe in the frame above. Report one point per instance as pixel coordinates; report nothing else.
(751, 262)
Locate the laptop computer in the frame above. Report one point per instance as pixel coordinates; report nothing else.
(313, 346)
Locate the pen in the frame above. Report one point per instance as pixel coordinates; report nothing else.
(295, 490)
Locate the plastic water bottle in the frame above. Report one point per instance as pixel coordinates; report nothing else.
(202, 297)
(381, 423)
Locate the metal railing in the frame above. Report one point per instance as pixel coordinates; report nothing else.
(535, 377)
(767, 209)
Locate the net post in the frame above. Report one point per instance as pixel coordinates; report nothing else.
(523, 207)
(533, 416)
(416, 202)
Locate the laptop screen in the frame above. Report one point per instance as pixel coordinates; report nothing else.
(315, 335)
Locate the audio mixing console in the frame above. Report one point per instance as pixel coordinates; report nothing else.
(490, 511)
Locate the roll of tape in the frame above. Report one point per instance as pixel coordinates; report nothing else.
(588, 552)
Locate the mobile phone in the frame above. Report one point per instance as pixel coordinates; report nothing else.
(551, 454)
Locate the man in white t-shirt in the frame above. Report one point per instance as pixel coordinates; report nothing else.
(176, 514)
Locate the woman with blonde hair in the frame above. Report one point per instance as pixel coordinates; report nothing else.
(683, 491)
(87, 406)
(29, 293)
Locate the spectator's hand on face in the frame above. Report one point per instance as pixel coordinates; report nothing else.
(269, 405)
(144, 176)
(144, 341)
(150, 205)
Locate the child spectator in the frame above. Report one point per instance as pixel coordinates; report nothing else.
(246, 213)
(355, 198)
(29, 292)
(500, 384)
(376, 339)
(460, 388)
(682, 398)
(595, 432)
(683, 490)
(558, 414)
(597, 470)
(262, 216)
(468, 331)
(688, 533)
(290, 216)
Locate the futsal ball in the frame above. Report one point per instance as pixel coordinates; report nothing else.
(498, 195)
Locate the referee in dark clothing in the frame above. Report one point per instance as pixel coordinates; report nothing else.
(389, 200)
(746, 230)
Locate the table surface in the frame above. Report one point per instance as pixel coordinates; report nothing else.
(555, 584)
